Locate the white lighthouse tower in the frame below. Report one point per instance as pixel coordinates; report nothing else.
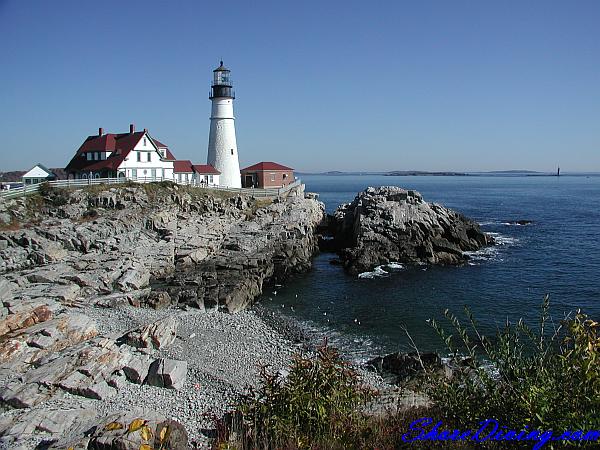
(222, 146)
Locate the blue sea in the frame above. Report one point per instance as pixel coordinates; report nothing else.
(558, 254)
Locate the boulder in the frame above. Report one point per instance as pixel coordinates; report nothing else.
(159, 334)
(134, 278)
(167, 373)
(158, 300)
(129, 430)
(520, 222)
(136, 369)
(399, 367)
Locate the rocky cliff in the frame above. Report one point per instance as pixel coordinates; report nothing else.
(391, 224)
(74, 267)
(204, 250)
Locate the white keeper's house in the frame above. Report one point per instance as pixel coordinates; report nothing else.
(135, 156)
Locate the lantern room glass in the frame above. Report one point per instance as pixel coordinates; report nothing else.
(221, 78)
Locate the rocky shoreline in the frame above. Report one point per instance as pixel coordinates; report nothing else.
(80, 344)
(116, 302)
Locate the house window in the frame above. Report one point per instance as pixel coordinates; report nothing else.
(139, 156)
(272, 177)
(161, 152)
(89, 156)
(153, 173)
(134, 172)
(149, 156)
(27, 181)
(210, 179)
(145, 142)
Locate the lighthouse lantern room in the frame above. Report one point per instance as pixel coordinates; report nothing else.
(222, 145)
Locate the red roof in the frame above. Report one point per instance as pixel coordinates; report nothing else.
(159, 144)
(182, 166)
(266, 165)
(168, 155)
(120, 145)
(205, 169)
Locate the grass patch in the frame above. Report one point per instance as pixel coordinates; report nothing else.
(13, 225)
(255, 204)
(95, 189)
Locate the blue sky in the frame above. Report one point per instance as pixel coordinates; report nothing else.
(427, 85)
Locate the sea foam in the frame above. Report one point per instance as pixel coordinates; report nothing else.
(380, 272)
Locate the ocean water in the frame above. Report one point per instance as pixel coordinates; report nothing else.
(558, 254)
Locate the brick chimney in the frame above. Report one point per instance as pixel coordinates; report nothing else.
(100, 131)
(131, 128)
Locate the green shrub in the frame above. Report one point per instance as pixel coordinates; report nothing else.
(547, 379)
(314, 403)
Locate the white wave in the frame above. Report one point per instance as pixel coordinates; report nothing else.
(357, 348)
(492, 253)
(484, 254)
(516, 224)
(489, 222)
(378, 272)
(502, 239)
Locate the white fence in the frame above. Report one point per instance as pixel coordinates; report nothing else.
(255, 192)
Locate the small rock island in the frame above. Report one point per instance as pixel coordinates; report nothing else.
(390, 224)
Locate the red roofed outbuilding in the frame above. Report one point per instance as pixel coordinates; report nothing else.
(185, 171)
(267, 174)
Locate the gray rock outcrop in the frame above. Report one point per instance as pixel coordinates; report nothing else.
(70, 257)
(206, 251)
(391, 224)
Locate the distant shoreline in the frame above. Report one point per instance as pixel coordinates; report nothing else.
(418, 173)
